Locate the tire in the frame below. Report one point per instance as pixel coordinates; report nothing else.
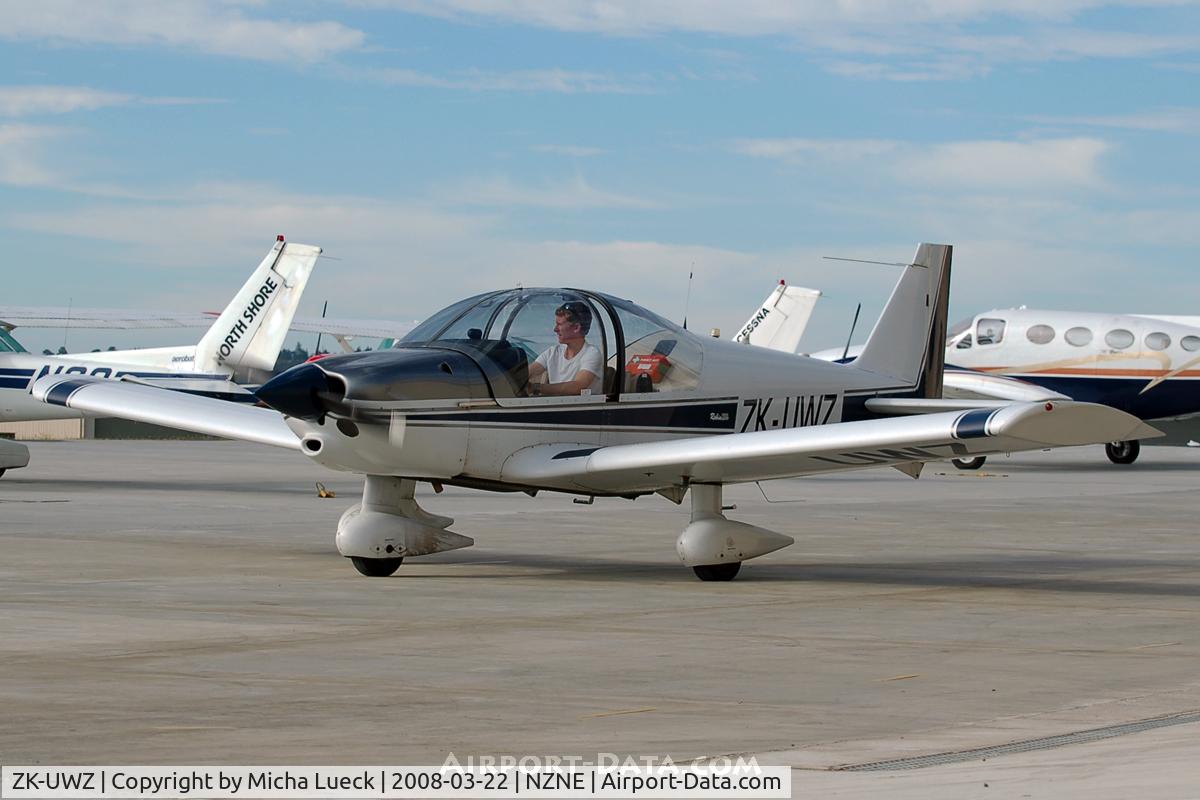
(975, 462)
(717, 572)
(376, 567)
(1123, 452)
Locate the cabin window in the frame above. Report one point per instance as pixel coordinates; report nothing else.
(1078, 336)
(428, 330)
(527, 322)
(989, 331)
(1190, 343)
(1118, 339)
(659, 356)
(1040, 334)
(8, 344)
(964, 343)
(1158, 340)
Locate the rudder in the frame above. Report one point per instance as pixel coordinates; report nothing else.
(908, 341)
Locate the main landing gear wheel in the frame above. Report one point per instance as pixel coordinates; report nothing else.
(376, 567)
(1123, 452)
(975, 462)
(717, 572)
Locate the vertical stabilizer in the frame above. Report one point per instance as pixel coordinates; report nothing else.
(251, 330)
(780, 321)
(907, 343)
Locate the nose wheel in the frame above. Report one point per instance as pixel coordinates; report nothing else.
(968, 463)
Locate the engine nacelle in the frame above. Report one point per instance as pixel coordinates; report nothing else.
(716, 540)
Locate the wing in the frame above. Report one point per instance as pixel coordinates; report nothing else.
(97, 318)
(117, 319)
(372, 328)
(136, 401)
(764, 455)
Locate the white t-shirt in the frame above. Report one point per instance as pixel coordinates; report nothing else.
(560, 369)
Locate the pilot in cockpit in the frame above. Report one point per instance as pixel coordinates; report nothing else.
(571, 366)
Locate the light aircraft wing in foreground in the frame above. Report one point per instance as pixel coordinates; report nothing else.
(670, 413)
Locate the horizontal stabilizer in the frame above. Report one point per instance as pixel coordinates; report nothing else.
(126, 400)
(921, 405)
(965, 383)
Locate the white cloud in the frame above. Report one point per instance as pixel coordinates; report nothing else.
(750, 17)
(572, 150)
(544, 80)
(1168, 120)
(26, 101)
(935, 69)
(754, 17)
(800, 151)
(875, 39)
(22, 162)
(1053, 164)
(207, 27)
(501, 192)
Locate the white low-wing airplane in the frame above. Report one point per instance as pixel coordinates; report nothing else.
(678, 414)
(243, 344)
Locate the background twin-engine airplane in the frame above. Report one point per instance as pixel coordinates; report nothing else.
(1146, 365)
(673, 413)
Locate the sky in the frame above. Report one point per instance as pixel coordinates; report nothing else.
(151, 151)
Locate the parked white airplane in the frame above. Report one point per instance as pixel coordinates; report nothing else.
(780, 321)
(453, 403)
(242, 344)
(1148, 366)
(1143, 364)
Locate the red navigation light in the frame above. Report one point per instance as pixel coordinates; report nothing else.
(1049, 406)
(782, 282)
(279, 238)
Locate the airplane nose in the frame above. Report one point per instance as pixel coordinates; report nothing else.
(304, 391)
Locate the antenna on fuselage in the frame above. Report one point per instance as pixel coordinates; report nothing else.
(67, 328)
(324, 308)
(688, 302)
(865, 261)
(853, 324)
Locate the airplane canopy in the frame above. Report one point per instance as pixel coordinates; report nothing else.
(642, 351)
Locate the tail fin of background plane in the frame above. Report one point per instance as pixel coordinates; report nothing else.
(251, 330)
(780, 321)
(909, 339)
